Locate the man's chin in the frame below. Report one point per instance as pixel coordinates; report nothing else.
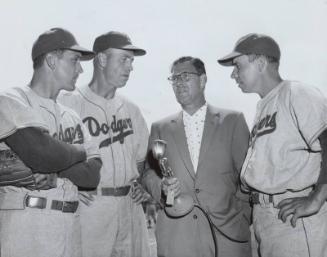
(122, 84)
(242, 88)
(70, 87)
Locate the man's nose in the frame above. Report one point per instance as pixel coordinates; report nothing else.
(79, 68)
(234, 74)
(129, 66)
(179, 82)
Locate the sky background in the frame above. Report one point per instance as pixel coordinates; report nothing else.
(167, 30)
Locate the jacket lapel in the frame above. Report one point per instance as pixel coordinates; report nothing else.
(210, 126)
(178, 133)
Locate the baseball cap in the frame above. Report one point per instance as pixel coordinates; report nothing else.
(114, 39)
(58, 38)
(252, 44)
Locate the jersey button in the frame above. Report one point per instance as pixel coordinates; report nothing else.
(197, 190)
(195, 216)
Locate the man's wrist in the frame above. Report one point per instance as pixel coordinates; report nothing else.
(319, 194)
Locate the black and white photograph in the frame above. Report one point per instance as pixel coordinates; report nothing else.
(169, 128)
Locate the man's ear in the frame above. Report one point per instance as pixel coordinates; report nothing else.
(262, 63)
(101, 59)
(50, 60)
(203, 81)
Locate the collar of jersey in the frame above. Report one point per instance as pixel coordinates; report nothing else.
(271, 94)
(96, 99)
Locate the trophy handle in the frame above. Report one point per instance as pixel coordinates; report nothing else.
(165, 169)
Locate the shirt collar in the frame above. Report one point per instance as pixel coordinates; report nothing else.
(200, 112)
(93, 97)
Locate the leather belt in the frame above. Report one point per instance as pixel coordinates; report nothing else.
(114, 191)
(255, 198)
(41, 203)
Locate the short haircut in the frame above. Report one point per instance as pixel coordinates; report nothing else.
(196, 62)
(38, 61)
(271, 60)
(106, 52)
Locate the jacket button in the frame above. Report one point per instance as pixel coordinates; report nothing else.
(195, 217)
(197, 190)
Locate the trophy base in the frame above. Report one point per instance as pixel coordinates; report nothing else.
(183, 205)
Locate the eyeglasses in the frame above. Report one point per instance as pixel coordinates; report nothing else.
(184, 77)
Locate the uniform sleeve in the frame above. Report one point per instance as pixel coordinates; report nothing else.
(309, 109)
(142, 134)
(323, 171)
(16, 114)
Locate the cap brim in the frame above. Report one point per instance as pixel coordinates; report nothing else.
(137, 51)
(228, 59)
(86, 54)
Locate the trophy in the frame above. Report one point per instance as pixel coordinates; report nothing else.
(175, 206)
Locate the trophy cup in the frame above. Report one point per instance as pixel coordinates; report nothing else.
(175, 206)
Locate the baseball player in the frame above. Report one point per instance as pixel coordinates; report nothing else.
(44, 222)
(285, 167)
(114, 223)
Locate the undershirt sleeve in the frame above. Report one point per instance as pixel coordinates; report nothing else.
(42, 153)
(323, 172)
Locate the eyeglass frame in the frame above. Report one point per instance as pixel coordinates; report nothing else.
(179, 77)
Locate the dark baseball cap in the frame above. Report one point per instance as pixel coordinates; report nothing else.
(118, 40)
(58, 38)
(252, 44)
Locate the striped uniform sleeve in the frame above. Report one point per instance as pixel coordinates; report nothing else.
(16, 114)
(142, 133)
(310, 110)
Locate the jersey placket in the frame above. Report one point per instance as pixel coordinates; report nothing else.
(117, 151)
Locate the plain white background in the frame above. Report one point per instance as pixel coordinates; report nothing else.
(167, 30)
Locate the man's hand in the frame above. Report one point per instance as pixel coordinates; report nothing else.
(13, 172)
(138, 194)
(301, 206)
(85, 198)
(171, 184)
(151, 213)
(45, 181)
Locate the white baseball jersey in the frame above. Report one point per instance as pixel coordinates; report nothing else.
(284, 152)
(118, 128)
(24, 108)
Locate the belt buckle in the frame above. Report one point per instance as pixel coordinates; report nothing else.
(116, 191)
(35, 202)
(254, 198)
(68, 206)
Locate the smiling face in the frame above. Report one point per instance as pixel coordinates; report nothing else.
(118, 66)
(68, 68)
(188, 85)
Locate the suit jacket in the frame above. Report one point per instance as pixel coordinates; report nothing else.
(214, 186)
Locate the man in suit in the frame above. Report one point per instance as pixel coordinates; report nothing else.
(205, 149)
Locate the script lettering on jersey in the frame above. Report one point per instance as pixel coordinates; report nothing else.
(71, 135)
(120, 128)
(265, 126)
